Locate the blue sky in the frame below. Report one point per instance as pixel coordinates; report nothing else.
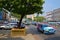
(50, 5)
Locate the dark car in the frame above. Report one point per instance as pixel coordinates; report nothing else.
(34, 23)
(22, 25)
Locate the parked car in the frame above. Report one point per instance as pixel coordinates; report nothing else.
(22, 25)
(13, 24)
(2, 26)
(46, 29)
(27, 23)
(34, 23)
(58, 23)
(52, 23)
(8, 27)
(5, 22)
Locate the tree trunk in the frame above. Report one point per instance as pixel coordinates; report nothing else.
(19, 23)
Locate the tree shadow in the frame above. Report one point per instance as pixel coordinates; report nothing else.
(11, 38)
(53, 38)
(6, 35)
(32, 31)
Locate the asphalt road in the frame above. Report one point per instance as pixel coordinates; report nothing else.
(31, 29)
(40, 36)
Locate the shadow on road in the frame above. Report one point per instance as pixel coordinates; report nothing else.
(32, 30)
(53, 38)
(11, 39)
(5, 35)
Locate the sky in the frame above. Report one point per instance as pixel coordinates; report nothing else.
(50, 5)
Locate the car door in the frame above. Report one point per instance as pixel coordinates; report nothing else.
(40, 28)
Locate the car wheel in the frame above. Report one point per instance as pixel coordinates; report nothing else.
(42, 31)
(1, 28)
(45, 32)
(35, 24)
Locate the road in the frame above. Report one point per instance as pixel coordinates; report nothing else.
(39, 36)
(31, 29)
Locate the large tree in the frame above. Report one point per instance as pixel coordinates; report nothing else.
(22, 7)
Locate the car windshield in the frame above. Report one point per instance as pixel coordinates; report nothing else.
(45, 25)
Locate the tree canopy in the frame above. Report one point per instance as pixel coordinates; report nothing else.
(22, 7)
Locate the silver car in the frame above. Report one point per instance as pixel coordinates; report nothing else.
(6, 27)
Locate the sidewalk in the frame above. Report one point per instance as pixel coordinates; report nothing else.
(5, 35)
(27, 37)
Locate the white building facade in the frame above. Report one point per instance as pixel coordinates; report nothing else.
(49, 16)
(53, 15)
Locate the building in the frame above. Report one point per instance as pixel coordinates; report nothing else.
(30, 16)
(4, 15)
(53, 15)
(49, 16)
(56, 14)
